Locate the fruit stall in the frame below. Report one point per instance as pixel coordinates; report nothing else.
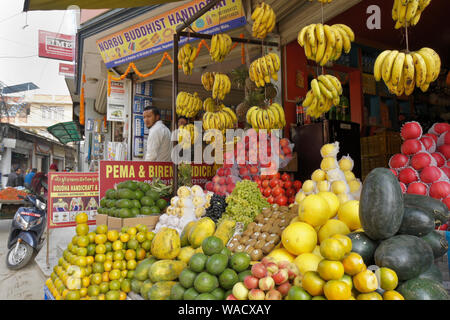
(253, 232)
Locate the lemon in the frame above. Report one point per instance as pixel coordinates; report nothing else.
(329, 149)
(349, 176)
(354, 186)
(338, 187)
(318, 175)
(299, 197)
(323, 186)
(346, 164)
(314, 210)
(308, 186)
(298, 238)
(349, 214)
(328, 163)
(332, 200)
(332, 227)
(307, 262)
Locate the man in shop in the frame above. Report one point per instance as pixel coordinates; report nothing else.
(29, 177)
(182, 121)
(15, 178)
(158, 142)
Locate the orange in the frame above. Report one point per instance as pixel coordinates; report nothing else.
(102, 229)
(348, 280)
(93, 290)
(118, 255)
(109, 255)
(369, 296)
(313, 283)
(332, 249)
(307, 262)
(345, 241)
(114, 285)
(91, 236)
(81, 251)
(100, 257)
(117, 245)
(150, 235)
(90, 260)
(83, 241)
(117, 264)
(104, 287)
(353, 263)
(365, 281)
(108, 265)
(132, 231)
(100, 238)
(101, 297)
(85, 282)
(73, 295)
(112, 235)
(330, 270)
(140, 237)
(81, 218)
(130, 254)
(105, 276)
(124, 237)
(82, 229)
(122, 295)
(125, 285)
(123, 274)
(392, 295)
(337, 290)
(388, 278)
(131, 264)
(83, 292)
(140, 254)
(114, 274)
(74, 239)
(81, 262)
(100, 248)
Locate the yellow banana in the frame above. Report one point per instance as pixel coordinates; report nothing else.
(281, 113)
(257, 12)
(347, 30)
(301, 36)
(429, 61)
(269, 63)
(377, 69)
(397, 69)
(316, 89)
(311, 35)
(339, 44)
(395, 10)
(336, 82)
(274, 118)
(420, 69)
(324, 91)
(320, 35)
(345, 38)
(408, 72)
(329, 85)
(387, 65)
(437, 61)
(308, 99)
(276, 60)
(411, 10)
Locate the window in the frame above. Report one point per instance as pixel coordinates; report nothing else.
(52, 113)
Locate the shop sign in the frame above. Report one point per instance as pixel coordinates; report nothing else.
(116, 102)
(71, 193)
(56, 45)
(66, 70)
(156, 34)
(114, 172)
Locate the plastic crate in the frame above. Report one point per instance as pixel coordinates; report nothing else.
(385, 143)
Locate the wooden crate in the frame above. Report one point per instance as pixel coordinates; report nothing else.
(370, 163)
(386, 143)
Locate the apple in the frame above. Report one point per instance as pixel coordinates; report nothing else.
(240, 291)
(231, 297)
(220, 172)
(266, 260)
(297, 281)
(259, 270)
(230, 187)
(254, 170)
(284, 288)
(243, 171)
(223, 189)
(293, 271)
(256, 294)
(266, 283)
(272, 267)
(267, 192)
(288, 184)
(229, 180)
(247, 178)
(265, 183)
(271, 200)
(222, 181)
(283, 264)
(216, 179)
(273, 295)
(209, 186)
(281, 276)
(216, 188)
(273, 183)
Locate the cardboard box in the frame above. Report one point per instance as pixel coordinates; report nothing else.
(114, 223)
(101, 219)
(149, 221)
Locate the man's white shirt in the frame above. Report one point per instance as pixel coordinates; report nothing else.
(159, 146)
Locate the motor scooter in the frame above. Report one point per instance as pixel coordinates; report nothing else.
(27, 232)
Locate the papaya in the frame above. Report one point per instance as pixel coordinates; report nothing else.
(202, 229)
(225, 230)
(166, 244)
(141, 271)
(161, 290)
(145, 288)
(166, 270)
(185, 233)
(136, 285)
(186, 253)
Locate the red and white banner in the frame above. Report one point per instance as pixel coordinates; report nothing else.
(67, 70)
(56, 46)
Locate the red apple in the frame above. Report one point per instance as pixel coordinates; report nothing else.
(251, 282)
(266, 260)
(223, 189)
(266, 283)
(288, 184)
(285, 177)
(216, 188)
(272, 267)
(243, 171)
(247, 178)
(220, 172)
(293, 271)
(256, 294)
(209, 186)
(283, 264)
(222, 181)
(287, 150)
(281, 276)
(297, 281)
(290, 192)
(259, 270)
(254, 170)
(284, 288)
(230, 187)
(231, 297)
(291, 200)
(240, 291)
(216, 179)
(267, 192)
(297, 185)
(273, 295)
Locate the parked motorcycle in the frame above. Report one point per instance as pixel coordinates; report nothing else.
(27, 232)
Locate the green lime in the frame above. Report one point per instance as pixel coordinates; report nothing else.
(212, 245)
(216, 263)
(226, 252)
(153, 195)
(110, 194)
(197, 262)
(218, 293)
(205, 282)
(161, 204)
(190, 294)
(177, 292)
(228, 278)
(240, 261)
(187, 277)
(205, 296)
(298, 293)
(155, 210)
(138, 194)
(146, 210)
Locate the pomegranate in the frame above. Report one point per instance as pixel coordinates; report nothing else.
(421, 160)
(445, 150)
(440, 159)
(417, 188)
(428, 143)
(440, 190)
(408, 175)
(430, 174)
(412, 146)
(411, 130)
(398, 161)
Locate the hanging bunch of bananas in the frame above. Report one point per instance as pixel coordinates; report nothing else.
(402, 72)
(325, 92)
(323, 43)
(223, 119)
(220, 47)
(218, 83)
(210, 105)
(187, 56)
(188, 105)
(269, 118)
(187, 135)
(408, 12)
(264, 20)
(262, 69)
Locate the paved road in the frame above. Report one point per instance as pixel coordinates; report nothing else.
(24, 284)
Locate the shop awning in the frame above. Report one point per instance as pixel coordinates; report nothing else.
(30, 5)
(65, 132)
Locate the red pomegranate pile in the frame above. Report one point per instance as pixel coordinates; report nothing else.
(423, 166)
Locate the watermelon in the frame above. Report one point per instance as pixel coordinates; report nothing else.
(423, 289)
